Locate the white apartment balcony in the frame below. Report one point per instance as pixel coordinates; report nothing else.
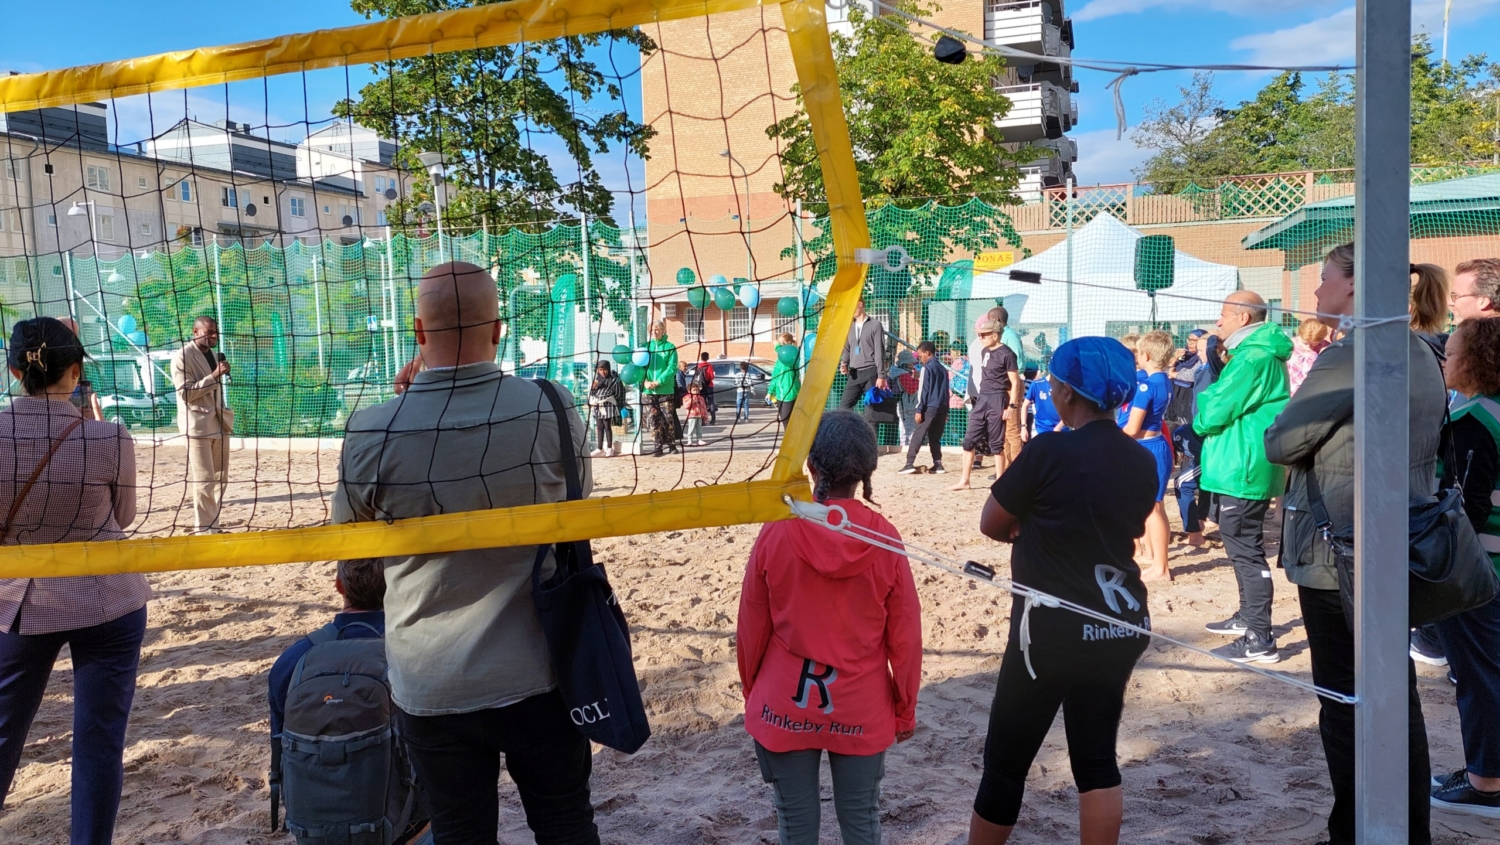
(1038, 111)
(1040, 175)
(1063, 149)
(1030, 25)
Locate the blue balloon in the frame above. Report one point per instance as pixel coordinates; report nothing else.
(137, 337)
(717, 281)
(809, 340)
(749, 296)
(127, 324)
(640, 358)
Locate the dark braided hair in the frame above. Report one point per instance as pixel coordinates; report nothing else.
(843, 452)
(41, 350)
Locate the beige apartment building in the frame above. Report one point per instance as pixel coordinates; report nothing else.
(710, 92)
(64, 188)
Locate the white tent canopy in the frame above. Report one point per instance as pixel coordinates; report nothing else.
(1104, 267)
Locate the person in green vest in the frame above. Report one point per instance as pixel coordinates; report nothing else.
(1471, 640)
(786, 380)
(659, 388)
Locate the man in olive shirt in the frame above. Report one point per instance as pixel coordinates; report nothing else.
(469, 666)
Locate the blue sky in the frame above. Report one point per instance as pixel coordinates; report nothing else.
(1177, 31)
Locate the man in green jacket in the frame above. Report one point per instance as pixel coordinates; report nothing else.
(1232, 417)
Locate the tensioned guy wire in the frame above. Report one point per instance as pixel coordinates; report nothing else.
(819, 514)
(1123, 70)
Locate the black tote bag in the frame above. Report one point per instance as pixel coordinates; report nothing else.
(585, 627)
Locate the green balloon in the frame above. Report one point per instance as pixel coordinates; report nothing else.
(685, 276)
(724, 298)
(787, 354)
(621, 354)
(631, 374)
(787, 306)
(698, 297)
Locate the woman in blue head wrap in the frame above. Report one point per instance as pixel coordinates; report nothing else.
(1072, 503)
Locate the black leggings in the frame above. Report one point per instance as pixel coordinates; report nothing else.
(603, 431)
(1091, 694)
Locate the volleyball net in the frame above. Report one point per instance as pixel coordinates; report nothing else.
(606, 165)
(611, 168)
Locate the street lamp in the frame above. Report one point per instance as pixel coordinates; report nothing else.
(436, 164)
(87, 209)
(749, 253)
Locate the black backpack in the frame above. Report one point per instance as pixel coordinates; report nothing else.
(340, 765)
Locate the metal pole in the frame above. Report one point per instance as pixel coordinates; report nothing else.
(68, 283)
(1069, 200)
(318, 313)
(438, 190)
(797, 233)
(1381, 397)
(218, 286)
(393, 331)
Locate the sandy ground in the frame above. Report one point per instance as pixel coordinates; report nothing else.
(1210, 755)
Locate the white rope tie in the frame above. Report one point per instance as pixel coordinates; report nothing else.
(819, 513)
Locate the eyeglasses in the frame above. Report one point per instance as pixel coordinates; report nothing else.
(986, 334)
(1455, 297)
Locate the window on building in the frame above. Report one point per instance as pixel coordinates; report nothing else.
(327, 210)
(52, 219)
(106, 227)
(380, 218)
(299, 207)
(197, 236)
(97, 178)
(10, 169)
(692, 325)
(739, 323)
(140, 182)
(185, 190)
(228, 199)
(146, 228)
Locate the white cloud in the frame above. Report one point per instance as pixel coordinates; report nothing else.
(1330, 39)
(1324, 40)
(1104, 160)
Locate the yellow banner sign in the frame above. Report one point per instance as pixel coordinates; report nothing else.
(987, 261)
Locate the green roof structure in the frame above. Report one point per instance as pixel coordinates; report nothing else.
(1464, 207)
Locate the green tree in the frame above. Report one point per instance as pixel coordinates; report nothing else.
(1281, 129)
(921, 131)
(485, 108)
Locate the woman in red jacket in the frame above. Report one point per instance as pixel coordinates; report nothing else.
(830, 647)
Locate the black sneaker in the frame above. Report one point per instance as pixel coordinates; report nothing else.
(1426, 649)
(1250, 648)
(1460, 796)
(937, 469)
(907, 470)
(1232, 627)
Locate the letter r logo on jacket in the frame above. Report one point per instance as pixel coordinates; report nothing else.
(822, 680)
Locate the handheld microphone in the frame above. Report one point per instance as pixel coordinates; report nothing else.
(220, 356)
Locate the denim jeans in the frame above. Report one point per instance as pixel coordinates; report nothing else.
(1471, 642)
(793, 776)
(105, 658)
(742, 406)
(458, 760)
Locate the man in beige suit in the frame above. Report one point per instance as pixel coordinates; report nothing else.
(198, 377)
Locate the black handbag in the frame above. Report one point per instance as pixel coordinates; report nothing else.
(585, 627)
(1449, 571)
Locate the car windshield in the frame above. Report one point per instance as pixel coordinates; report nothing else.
(114, 376)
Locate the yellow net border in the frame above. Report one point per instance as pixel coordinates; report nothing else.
(464, 29)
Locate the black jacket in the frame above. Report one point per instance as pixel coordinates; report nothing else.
(934, 392)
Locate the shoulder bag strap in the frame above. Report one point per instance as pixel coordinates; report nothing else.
(565, 440)
(15, 506)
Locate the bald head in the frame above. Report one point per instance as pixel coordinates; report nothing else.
(458, 315)
(1241, 308)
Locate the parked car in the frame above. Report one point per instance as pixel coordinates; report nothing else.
(724, 372)
(134, 389)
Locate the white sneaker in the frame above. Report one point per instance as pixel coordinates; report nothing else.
(597, 453)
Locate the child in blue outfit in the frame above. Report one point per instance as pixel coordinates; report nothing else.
(1153, 354)
(1039, 405)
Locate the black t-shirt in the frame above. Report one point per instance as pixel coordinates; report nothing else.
(1082, 497)
(996, 370)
